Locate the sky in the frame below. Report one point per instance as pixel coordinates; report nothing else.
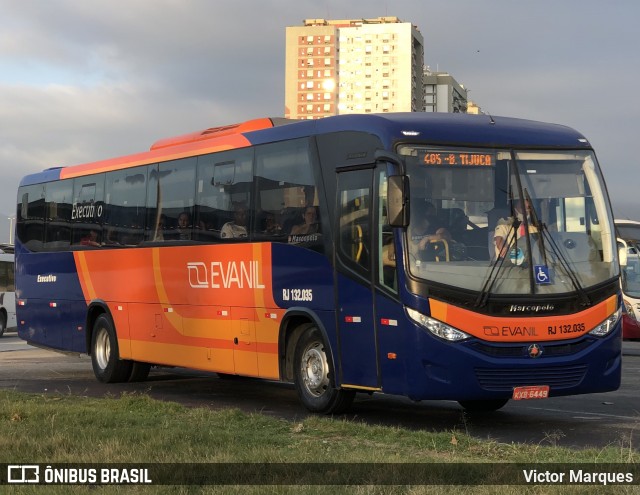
(84, 80)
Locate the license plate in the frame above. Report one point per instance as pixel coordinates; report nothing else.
(533, 392)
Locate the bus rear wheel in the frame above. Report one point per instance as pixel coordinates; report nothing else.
(139, 371)
(3, 323)
(315, 375)
(105, 356)
(483, 405)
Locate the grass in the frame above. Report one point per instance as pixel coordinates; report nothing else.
(134, 428)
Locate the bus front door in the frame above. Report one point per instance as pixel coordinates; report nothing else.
(357, 328)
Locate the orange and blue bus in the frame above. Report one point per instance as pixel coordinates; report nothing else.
(351, 254)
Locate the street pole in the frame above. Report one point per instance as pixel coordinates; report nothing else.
(11, 219)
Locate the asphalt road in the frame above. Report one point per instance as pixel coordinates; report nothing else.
(595, 420)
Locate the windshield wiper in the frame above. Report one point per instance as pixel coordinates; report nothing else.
(564, 263)
(556, 250)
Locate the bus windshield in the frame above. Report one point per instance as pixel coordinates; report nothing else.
(508, 222)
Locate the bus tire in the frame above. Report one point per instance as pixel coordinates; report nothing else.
(483, 405)
(139, 371)
(105, 356)
(315, 375)
(3, 323)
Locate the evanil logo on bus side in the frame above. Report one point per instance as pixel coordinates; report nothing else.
(225, 275)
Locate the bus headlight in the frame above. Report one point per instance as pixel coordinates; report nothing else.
(436, 327)
(607, 325)
(630, 311)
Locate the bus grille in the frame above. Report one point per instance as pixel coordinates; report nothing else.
(505, 379)
(522, 350)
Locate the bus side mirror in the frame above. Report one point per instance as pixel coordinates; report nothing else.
(622, 255)
(397, 200)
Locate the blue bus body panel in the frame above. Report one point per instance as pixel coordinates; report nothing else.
(53, 319)
(44, 176)
(456, 371)
(459, 129)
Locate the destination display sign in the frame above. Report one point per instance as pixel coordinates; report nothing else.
(466, 159)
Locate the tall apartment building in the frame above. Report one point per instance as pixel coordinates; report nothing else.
(353, 66)
(442, 93)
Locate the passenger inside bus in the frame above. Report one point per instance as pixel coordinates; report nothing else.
(91, 239)
(430, 239)
(237, 228)
(270, 226)
(510, 229)
(310, 224)
(423, 222)
(184, 226)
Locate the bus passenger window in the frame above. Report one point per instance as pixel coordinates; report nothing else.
(88, 210)
(125, 198)
(58, 214)
(30, 221)
(286, 192)
(223, 182)
(170, 200)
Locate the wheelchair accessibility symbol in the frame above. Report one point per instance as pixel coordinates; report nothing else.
(542, 274)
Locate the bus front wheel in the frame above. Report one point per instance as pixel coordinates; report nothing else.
(105, 357)
(3, 323)
(314, 375)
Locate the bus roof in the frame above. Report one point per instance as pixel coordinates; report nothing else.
(433, 128)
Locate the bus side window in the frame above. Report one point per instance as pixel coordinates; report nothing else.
(223, 181)
(170, 201)
(286, 192)
(387, 274)
(30, 221)
(58, 214)
(88, 210)
(125, 198)
(355, 219)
